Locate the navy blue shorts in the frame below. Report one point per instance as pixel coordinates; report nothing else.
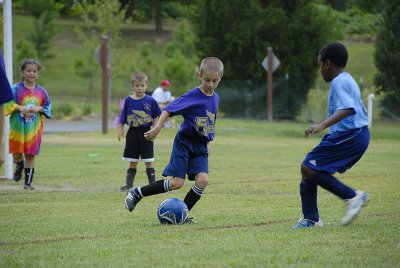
(338, 151)
(189, 156)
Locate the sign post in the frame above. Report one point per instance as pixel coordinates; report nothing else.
(270, 64)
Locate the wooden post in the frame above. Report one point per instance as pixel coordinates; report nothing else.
(269, 85)
(104, 69)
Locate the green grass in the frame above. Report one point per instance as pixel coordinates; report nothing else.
(76, 217)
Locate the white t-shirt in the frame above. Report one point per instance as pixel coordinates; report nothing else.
(160, 95)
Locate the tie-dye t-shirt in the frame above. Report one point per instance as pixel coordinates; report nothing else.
(26, 132)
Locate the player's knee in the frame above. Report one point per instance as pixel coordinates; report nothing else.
(176, 183)
(202, 180)
(307, 173)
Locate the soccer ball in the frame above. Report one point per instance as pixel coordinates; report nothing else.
(172, 211)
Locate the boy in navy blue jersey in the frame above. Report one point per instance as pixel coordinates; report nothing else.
(140, 112)
(342, 147)
(199, 108)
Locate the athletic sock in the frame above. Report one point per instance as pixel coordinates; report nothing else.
(308, 193)
(193, 196)
(158, 187)
(19, 166)
(29, 175)
(333, 185)
(130, 176)
(151, 175)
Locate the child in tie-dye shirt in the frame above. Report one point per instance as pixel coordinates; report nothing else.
(27, 110)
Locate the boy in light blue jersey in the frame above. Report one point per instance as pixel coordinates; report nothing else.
(342, 147)
(199, 108)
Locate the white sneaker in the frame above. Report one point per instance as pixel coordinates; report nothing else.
(305, 223)
(354, 206)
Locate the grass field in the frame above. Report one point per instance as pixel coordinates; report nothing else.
(76, 216)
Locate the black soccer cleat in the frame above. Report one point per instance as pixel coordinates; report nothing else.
(125, 188)
(131, 200)
(189, 220)
(28, 187)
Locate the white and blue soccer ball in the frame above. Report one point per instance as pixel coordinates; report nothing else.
(172, 211)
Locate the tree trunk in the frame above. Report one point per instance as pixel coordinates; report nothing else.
(158, 17)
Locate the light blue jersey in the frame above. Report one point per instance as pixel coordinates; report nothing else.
(345, 94)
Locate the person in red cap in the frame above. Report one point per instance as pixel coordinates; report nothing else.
(162, 94)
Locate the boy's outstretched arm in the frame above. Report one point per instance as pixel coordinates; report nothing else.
(152, 133)
(333, 119)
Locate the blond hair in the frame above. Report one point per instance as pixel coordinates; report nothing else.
(139, 76)
(212, 64)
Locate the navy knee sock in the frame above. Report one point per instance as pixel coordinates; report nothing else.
(333, 185)
(308, 193)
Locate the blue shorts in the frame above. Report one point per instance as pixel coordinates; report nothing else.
(189, 156)
(338, 151)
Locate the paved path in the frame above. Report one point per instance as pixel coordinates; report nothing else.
(57, 126)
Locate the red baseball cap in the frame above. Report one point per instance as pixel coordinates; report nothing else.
(165, 83)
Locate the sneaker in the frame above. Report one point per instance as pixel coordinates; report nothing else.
(354, 206)
(131, 200)
(28, 187)
(189, 220)
(305, 223)
(125, 188)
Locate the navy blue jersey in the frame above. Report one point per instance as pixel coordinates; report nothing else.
(5, 88)
(199, 112)
(139, 113)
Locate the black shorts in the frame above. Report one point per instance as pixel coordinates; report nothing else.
(137, 148)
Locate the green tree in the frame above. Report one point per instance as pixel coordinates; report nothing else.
(44, 13)
(240, 31)
(387, 56)
(181, 58)
(100, 18)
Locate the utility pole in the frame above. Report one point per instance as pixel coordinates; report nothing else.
(105, 84)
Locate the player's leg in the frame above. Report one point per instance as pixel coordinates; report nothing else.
(29, 171)
(337, 153)
(19, 166)
(131, 154)
(150, 172)
(194, 194)
(176, 169)
(158, 187)
(147, 155)
(309, 204)
(130, 177)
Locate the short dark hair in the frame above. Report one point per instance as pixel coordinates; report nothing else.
(336, 53)
(30, 62)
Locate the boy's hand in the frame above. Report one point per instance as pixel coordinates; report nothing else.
(151, 134)
(120, 136)
(314, 129)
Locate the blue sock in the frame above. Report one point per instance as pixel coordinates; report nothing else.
(308, 193)
(333, 185)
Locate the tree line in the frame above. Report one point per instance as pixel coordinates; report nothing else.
(239, 32)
